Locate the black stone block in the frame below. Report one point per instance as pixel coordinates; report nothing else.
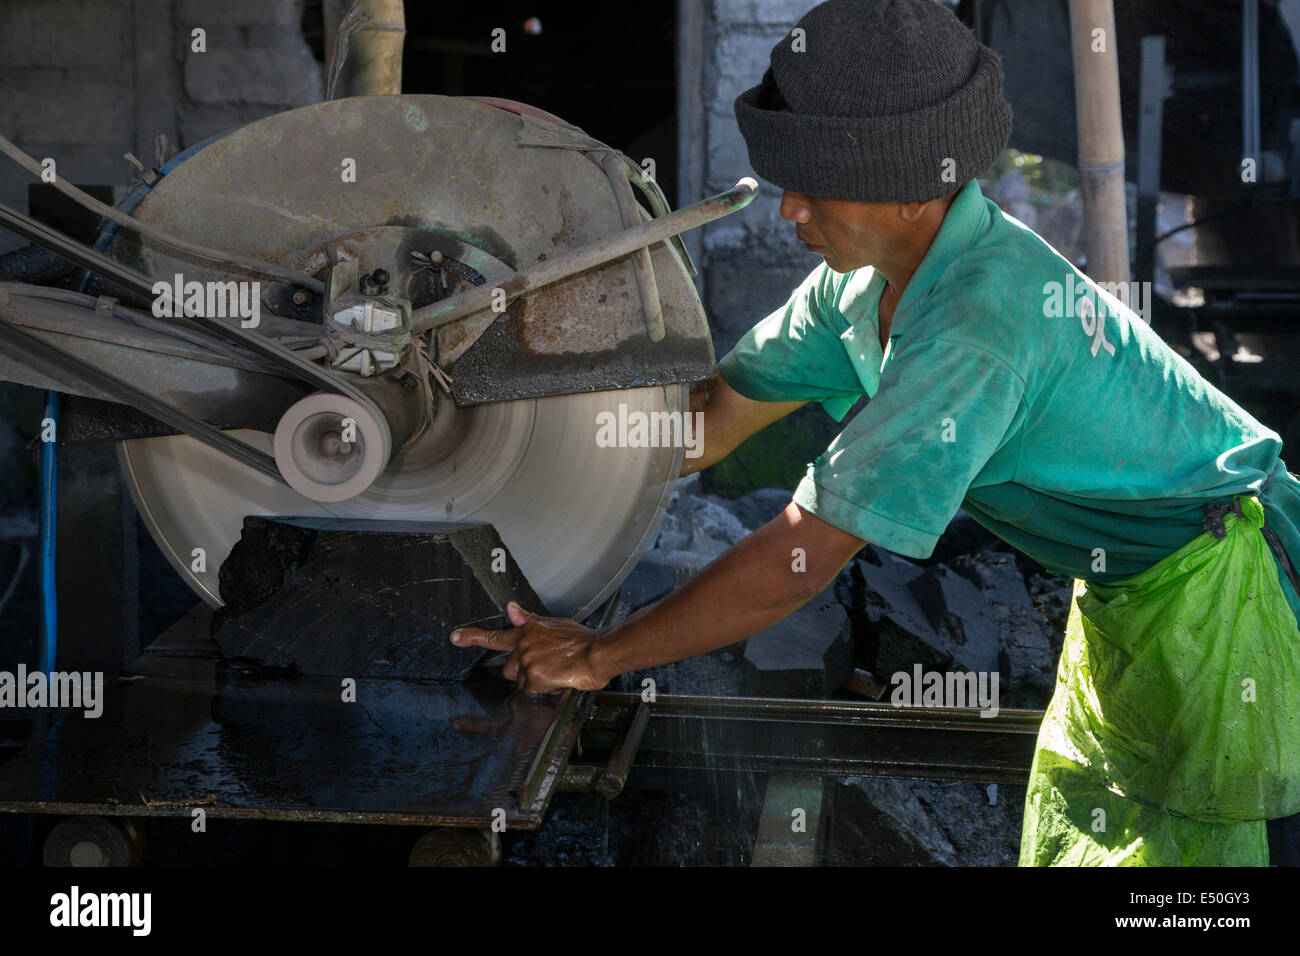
(928, 616)
(355, 598)
(808, 654)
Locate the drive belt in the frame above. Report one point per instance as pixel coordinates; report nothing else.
(49, 355)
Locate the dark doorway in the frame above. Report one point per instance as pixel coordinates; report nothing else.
(611, 73)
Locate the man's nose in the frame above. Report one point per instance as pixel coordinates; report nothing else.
(794, 207)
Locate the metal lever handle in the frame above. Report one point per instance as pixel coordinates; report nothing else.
(586, 257)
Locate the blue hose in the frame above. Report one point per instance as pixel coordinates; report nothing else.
(49, 467)
(49, 463)
(49, 474)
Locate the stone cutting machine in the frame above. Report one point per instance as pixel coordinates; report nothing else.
(449, 292)
(407, 309)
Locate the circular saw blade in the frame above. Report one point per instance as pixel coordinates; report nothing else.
(576, 516)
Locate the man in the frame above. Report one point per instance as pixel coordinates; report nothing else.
(1002, 381)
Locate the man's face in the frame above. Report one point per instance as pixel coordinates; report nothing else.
(850, 235)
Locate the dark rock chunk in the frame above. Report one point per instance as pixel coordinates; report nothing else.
(759, 507)
(964, 535)
(1029, 642)
(878, 821)
(996, 575)
(928, 616)
(981, 821)
(696, 529)
(649, 581)
(355, 598)
(887, 595)
(809, 654)
(1053, 596)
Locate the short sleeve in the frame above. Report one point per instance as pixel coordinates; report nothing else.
(796, 353)
(898, 472)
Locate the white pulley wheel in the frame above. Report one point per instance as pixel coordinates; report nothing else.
(330, 447)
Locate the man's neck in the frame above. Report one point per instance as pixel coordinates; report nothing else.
(911, 248)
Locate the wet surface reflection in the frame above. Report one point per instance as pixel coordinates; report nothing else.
(195, 732)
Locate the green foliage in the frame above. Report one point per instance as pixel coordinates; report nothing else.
(1040, 173)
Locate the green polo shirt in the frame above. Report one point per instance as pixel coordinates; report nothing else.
(1015, 388)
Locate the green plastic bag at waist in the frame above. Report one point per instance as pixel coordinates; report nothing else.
(1183, 681)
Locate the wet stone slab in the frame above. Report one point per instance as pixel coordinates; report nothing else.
(354, 598)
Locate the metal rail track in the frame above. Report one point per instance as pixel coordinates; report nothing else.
(690, 736)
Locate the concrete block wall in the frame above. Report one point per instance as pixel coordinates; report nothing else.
(84, 81)
(751, 259)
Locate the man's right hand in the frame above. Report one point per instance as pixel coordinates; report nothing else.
(546, 653)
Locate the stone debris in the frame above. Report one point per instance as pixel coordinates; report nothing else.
(973, 605)
(928, 616)
(960, 617)
(972, 611)
(1052, 597)
(997, 576)
(759, 507)
(696, 529)
(982, 832)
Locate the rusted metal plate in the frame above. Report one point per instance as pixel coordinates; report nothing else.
(192, 733)
(545, 342)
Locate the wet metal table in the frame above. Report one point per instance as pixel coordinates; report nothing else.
(187, 730)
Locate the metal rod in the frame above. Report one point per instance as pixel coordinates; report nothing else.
(586, 257)
(43, 353)
(548, 766)
(256, 266)
(611, 779)
(49, 521)
(1250, 125)
(641, 263)
(1154, 86)
(1008, 718)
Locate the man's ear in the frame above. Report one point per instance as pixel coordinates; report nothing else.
(911, 212)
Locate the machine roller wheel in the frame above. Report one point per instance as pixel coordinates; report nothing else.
(94, 841)
(449, 847)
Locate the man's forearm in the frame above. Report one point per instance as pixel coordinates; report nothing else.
(753, 585)
(729, 419)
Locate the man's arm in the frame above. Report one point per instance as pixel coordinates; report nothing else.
(729, 419)
(760, 580)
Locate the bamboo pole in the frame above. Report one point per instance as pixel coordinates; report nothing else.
(373, 64)
(1101, 139)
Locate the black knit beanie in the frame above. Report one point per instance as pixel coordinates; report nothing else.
(891, 101)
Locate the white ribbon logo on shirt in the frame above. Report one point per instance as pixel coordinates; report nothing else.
(1093, 321)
